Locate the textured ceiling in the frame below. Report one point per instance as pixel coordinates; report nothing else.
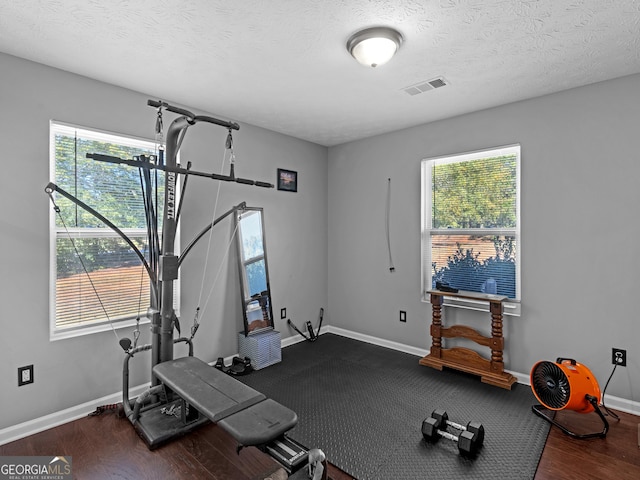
(282, 64)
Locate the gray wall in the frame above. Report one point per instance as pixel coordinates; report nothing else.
(71, 372)
(580, 228)
(327, 245)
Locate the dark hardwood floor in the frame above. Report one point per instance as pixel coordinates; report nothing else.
(616, 456)
(107, 447)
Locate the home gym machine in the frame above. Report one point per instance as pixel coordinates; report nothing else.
(186, 393)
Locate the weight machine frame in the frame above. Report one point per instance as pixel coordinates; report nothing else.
(148, 415)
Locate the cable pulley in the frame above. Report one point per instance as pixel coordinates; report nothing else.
(136, 332)
(196, 325)
(232, 157)
(229, 142)
(159, 127)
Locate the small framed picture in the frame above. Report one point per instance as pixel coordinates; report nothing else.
(287, 180)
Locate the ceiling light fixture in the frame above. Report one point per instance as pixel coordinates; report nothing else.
(374, 46)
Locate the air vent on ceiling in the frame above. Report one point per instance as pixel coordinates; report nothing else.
(425, 86)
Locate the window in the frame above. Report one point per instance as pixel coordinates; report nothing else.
(471, 224)
(97, 280)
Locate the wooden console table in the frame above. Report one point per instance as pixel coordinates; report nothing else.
(465, 359)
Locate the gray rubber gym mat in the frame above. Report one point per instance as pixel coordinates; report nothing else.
(363, 405)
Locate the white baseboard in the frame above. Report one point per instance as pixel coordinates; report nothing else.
(418, 352)
(31, 427)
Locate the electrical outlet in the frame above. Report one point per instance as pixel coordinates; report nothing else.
(25, 375)
(283, 313)
(403, 316)
(619, 357)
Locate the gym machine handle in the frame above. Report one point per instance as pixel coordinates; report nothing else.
(149, 166)
(191, 116)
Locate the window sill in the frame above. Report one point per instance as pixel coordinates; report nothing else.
(512, 308)
(79, 331)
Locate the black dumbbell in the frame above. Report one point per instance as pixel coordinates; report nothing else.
(469, 441)
(473, 427)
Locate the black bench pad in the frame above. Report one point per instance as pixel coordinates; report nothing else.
(260, 423)
(248, 415)
(212, 392)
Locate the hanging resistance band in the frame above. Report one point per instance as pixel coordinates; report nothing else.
(388, 227)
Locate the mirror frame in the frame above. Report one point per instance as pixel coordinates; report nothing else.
(265, 295)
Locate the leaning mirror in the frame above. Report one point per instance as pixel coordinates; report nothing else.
(253, 270)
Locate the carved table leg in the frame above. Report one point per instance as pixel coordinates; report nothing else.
(497, 340)
(436, 324)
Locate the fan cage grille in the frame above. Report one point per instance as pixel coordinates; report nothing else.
(551, 385)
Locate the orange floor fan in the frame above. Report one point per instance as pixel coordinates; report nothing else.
(566, 385)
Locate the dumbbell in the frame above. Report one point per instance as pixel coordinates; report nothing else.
(469, 441)
(473, 427)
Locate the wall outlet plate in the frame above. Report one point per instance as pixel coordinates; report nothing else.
(283, 313)
(25, 375)
(619, 357)
(403, 316)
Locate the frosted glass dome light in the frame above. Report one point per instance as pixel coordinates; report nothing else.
(374, 46)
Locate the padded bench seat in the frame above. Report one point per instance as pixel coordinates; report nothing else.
(246, 414)
(261, 423)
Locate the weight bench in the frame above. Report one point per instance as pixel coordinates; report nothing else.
(191, 394)
(246, 414)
